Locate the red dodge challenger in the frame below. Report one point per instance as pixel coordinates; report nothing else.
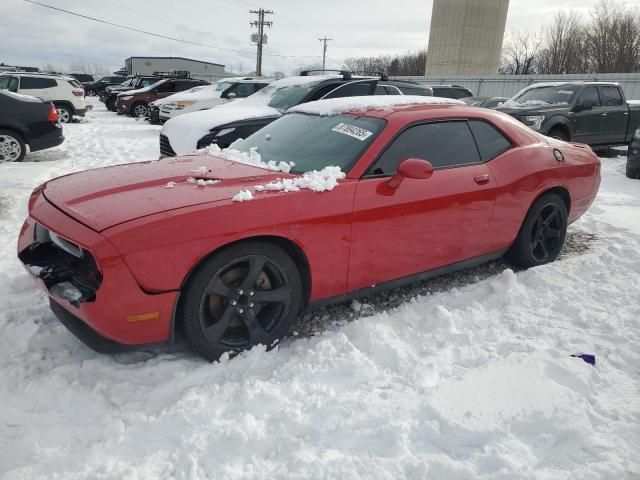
(337, 199)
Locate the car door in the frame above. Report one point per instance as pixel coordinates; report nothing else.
(615, 115)
(586, 123)
(422, 224)
(164, 90)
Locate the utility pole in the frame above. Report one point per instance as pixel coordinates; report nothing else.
(259, 38)
(324, 50)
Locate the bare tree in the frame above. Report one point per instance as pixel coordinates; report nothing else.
(613, 38)
(563, 46)
(520, 53)
(411, 63)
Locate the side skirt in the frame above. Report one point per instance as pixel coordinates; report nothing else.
(401, 282)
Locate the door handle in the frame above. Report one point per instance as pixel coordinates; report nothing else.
(482, 179)
(603, 114)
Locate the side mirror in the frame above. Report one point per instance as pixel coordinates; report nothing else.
(416, 168)
(586, 105)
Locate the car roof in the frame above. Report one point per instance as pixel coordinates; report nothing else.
(577, 83)
(41, 74)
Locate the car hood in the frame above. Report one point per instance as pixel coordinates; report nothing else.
(104, 197)
(184, 131)
(531, 110)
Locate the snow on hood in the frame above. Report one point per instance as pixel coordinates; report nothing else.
(185, 130)
(337, 106)
(104, 197)
(20, 96)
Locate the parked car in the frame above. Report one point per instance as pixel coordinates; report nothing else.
(66, 93)
(449, 91)
(26, 121)
(110, 94)
(205, 97)
(225, 124)
(84, 78)
(230, 249)
(633, 156)
(595, 113)
(97, 87)
(485, 102)
(136, 102)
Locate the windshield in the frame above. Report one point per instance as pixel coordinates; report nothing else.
(283, 97)
(220, 86)
(540, 96)
(312, 142)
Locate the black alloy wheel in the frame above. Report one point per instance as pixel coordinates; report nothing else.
(546, 235)
(245, 296)
(542, 233)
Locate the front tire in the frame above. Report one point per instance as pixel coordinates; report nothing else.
(632, 173)
(12, 147)
(542, 234)
(139, 110)
(245, 295)
(559, 134)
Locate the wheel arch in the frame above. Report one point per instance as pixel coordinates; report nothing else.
(17, 132)
(294, 250)
(65, 103)
(560, 123)
(559, 190)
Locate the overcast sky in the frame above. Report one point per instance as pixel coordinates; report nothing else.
(33, 35)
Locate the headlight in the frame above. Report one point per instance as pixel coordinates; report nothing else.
(127, 97)
(534, 121)
(181, 105)
(637, 134)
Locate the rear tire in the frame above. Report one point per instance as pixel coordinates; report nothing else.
(65, 115)
(632, 173)
(247, 294)
(542, 233)
(12, 147)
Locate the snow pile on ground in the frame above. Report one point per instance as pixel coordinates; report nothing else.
(336, 106)
(252, 157)
(242, 196)
(472, 382)
(318, 181)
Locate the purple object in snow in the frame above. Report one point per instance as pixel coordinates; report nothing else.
(587, 357)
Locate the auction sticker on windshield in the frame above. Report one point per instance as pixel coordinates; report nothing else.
(353, 131)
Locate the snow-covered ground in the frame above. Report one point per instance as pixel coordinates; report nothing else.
(465, 377)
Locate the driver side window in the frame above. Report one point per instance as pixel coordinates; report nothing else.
(590, 94)
(444, 144)
(242, 90)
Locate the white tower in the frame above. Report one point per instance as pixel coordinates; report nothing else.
(466, 37)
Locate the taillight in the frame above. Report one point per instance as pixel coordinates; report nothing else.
(53, 114)
(79, 92)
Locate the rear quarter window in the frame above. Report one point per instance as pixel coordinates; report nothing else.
(35, 83)
(424, 92)
(490, 141)
(611, 96)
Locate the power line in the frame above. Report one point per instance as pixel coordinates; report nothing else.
(157, 35)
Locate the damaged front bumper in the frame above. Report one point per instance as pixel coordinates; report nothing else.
(85, 276)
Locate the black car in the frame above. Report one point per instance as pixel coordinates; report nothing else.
(484, 102)
(26, 121)
(225, 124)
(595, 113)
(449, 91)
(633, 156)
(97, 87)
(84, 78)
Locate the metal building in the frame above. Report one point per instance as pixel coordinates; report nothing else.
(198, 69)
(466, 37)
